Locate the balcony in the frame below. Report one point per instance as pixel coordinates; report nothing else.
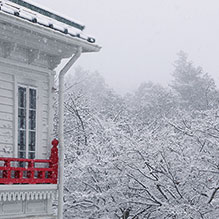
(28, 186)
(27, 171)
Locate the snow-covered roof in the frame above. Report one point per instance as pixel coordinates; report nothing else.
(38, 15)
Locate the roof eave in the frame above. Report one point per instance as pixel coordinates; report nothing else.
(50, 33)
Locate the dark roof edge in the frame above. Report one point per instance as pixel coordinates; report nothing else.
(48, 14)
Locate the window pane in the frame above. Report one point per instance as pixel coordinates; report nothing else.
(22, 97)
(26, 122)
(22, 112)
(32, 98)
(32, 119)
(31, 155)
(22, 140)
(32, 141)
(22, 154)
(21, 119)
(22, 122)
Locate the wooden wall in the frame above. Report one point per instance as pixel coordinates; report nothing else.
(11, 75)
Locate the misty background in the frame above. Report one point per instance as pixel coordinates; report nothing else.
(141, 39)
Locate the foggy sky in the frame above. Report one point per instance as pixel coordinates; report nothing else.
(141, 38)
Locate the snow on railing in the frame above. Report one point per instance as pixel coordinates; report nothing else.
(25, 171)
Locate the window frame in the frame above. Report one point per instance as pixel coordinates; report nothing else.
(27, 120)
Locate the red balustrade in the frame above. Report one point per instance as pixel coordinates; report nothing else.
(25, 171)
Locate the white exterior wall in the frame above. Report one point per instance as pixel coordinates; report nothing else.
(12, 75)
(6, 114)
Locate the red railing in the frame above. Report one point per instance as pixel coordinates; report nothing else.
(25, 171)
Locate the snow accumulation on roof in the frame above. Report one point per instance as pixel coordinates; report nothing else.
(36, 14)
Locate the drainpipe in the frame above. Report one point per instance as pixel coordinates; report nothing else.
(61, 130)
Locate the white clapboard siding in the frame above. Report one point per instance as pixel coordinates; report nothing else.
(6, 92)
(6, 124)
(6, 150)
(6, 109)
(10, 79)
(6, 136)
(6, 114)
(44, 118)
(5, 84)
(6, 101)
(5, 76)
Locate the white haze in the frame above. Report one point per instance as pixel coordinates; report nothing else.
(141, 38)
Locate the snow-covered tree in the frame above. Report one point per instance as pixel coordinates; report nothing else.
(140, 156)
(195, 88)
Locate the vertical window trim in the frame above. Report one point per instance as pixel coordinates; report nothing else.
(28, 87)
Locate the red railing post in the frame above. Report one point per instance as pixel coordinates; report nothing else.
(7, 173)
(54, 158)
(30, 173)
(18, 174)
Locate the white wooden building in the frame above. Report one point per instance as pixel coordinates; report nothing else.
(33, 41)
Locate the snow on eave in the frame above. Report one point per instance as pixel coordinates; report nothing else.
(49, 32)
(40, 19)
(48, 12)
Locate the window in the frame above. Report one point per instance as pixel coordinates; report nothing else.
(26, 122)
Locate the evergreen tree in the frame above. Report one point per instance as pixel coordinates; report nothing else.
(196, 89)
